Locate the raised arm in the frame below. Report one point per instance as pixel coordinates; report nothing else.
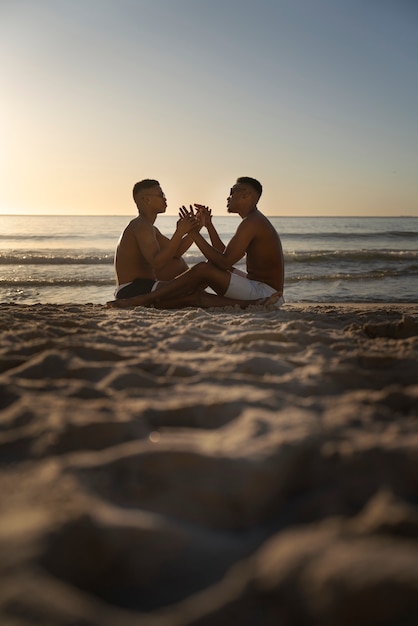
(157, 249)
(205, 215)
(183, 246)
(233, 252)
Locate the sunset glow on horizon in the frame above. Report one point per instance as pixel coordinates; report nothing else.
(318, 99)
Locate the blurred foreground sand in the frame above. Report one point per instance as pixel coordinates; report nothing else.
(209, 467)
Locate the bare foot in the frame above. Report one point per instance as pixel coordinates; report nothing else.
(124, 303)
(270, 300)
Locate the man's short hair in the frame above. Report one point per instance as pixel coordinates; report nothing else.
(252, 182)
(147, 183)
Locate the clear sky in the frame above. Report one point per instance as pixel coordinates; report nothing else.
(318, 99)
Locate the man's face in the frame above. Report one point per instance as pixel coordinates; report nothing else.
(235, 195)
(156, 198)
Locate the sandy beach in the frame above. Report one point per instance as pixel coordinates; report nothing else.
(209, 467)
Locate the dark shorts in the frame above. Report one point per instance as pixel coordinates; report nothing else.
(137, 287)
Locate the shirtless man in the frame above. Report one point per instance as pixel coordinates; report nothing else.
(143, 254)
(255, 237)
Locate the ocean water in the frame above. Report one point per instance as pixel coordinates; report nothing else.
(62, 259)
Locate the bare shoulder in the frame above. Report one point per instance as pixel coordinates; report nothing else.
(257, 221)
(137, 223)
(141, 228)
(131, 226)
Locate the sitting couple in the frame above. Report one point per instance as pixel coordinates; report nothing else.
(150, 269)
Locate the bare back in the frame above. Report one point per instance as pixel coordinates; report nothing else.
(265, 262)
(130, 262)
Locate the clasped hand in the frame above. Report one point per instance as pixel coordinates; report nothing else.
(188, 220)
(204, 213)
(194, 220)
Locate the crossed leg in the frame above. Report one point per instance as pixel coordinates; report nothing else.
(187, 290)
(206, 300)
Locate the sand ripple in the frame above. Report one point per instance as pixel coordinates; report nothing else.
(199, 468)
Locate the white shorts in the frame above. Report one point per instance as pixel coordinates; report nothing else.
(242, 288)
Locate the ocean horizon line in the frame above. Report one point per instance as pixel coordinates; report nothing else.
(340, 216)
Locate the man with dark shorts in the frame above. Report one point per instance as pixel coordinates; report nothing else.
(144, 255)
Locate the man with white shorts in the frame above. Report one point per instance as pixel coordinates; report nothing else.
(240, 287)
